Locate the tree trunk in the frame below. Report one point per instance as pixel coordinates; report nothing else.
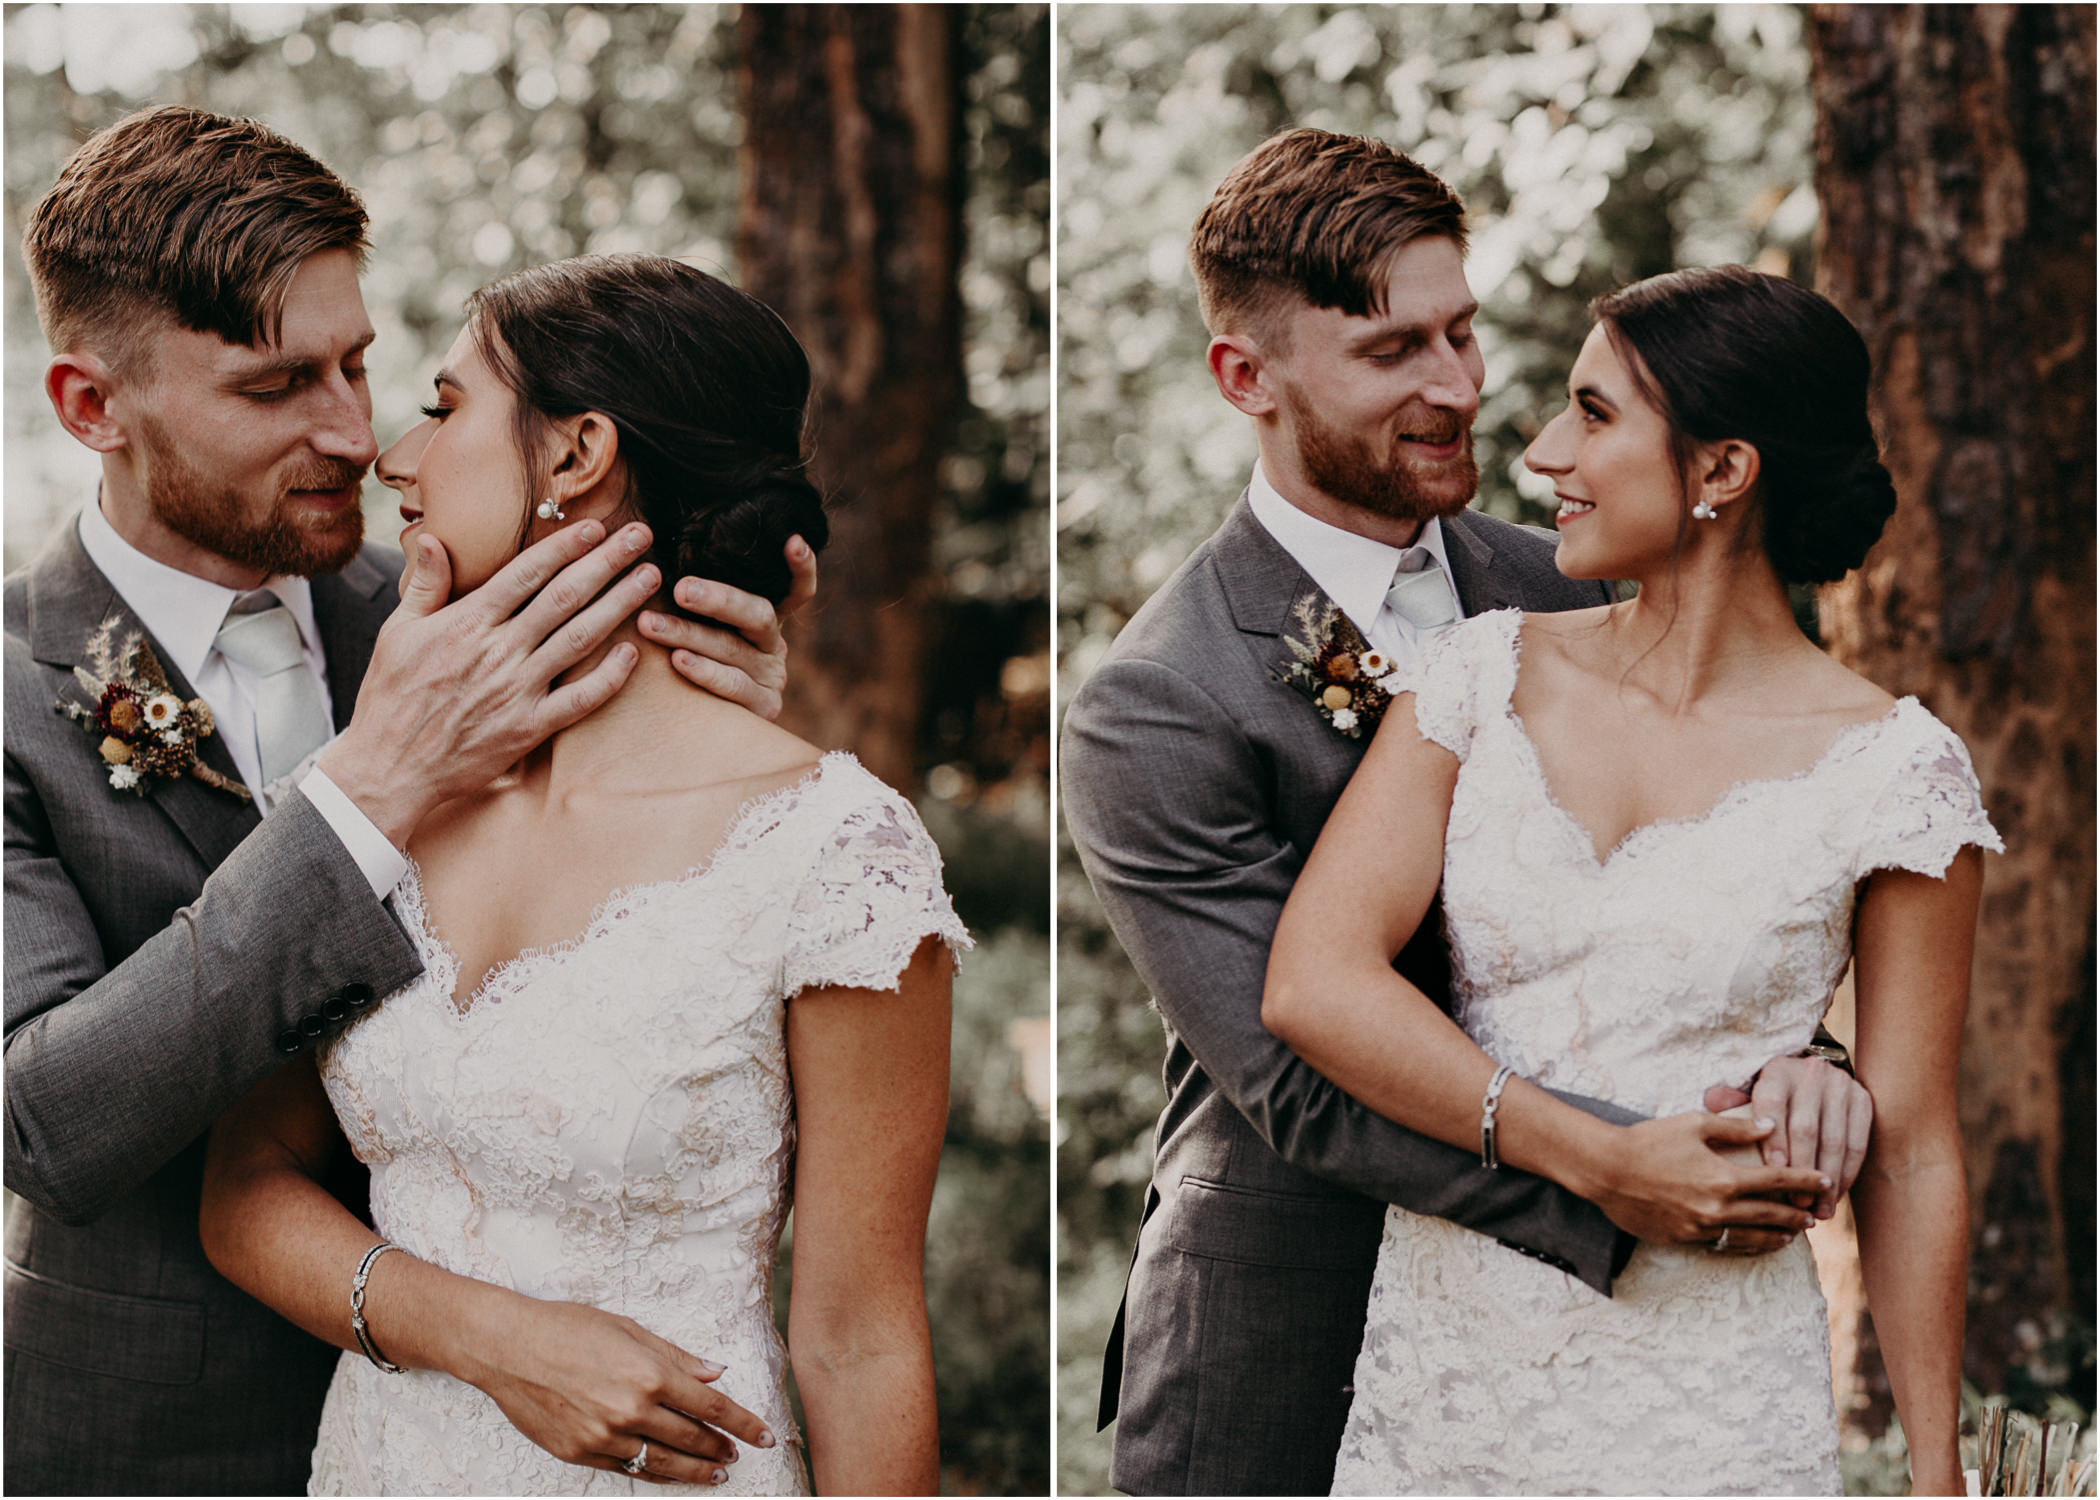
(1955, 167)
(849, 225)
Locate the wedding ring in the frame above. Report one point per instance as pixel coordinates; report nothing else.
(640, 1461)
(1719, 1247)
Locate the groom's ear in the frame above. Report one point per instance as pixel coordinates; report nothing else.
(1236, 364)
(81, 386)
(586, 451)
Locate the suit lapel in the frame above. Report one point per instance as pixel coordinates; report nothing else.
(1470, 554)
(69, 598)
(1262, 583)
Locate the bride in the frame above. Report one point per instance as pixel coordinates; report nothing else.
(1662, 829)
(674, 960)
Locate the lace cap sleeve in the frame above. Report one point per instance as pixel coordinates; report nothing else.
(1458, 671)
(873, 892)
(1929, 808)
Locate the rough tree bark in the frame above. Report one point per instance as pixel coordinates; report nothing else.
(850, 226)
(1955, 168)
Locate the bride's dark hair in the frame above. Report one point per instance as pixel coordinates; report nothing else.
(707, 387)
(1728, 352)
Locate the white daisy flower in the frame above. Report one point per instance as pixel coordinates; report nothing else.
(161, 710)
(172, 738)
(1374, 664)
(1345, 719)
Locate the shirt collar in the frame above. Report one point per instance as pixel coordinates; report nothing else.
(1354, 571)
(180, 610)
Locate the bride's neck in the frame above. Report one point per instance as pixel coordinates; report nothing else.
(657, 719)
(1707, 625)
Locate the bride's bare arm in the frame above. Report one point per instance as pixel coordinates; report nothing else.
(1333, 996)
(584, 1384)
(871, 1106)
(1913, 940)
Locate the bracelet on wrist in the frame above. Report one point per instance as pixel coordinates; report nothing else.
(357, 1308)
(1489, 1103)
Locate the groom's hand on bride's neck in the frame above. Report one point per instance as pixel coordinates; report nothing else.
(456, 692)
(741, 655)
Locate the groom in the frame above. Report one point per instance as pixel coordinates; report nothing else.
(167, 945)
(1195, 781)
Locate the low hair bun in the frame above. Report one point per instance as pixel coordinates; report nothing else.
(1821, 520)
(742, 540)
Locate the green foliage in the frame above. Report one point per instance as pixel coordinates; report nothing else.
(1592, 144)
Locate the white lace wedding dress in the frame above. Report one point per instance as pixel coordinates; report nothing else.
(611, 1122)
(1697, 950)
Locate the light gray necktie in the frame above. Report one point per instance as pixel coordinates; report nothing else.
(1421, 594)
(290, 718)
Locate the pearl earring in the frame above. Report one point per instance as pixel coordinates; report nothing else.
(547, 510)
(1700, 512)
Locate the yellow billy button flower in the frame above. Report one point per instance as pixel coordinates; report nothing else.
(115, 751)
(1335, 697)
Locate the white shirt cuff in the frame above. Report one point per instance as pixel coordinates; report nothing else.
(383, 865)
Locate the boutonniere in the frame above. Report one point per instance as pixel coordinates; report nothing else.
(1333, 665)
(147, 733)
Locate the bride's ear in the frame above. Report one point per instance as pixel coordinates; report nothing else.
(585, 457)
(1727, 471)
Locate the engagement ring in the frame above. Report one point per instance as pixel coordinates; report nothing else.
(640, 1461)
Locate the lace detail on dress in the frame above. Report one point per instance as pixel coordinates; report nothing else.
(1929, 810)
(1696, 950)
(874, 894)
(1456, 669)
(610, 1121)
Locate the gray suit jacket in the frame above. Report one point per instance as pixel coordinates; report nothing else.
(1194, 784)
(164, 953)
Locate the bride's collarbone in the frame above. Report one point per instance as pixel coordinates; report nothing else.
(507, 875)
(1616, 759)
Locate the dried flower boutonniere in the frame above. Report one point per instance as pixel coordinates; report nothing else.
(1348, 682)
(147, 732)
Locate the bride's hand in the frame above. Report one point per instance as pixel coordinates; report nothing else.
(591, 1386)
(1667, 1181)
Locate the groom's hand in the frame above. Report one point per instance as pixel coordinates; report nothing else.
(457, 691)
(1824, 1117)
(742, 657)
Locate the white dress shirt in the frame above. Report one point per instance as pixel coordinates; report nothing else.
(183, 613)
(1354, 571)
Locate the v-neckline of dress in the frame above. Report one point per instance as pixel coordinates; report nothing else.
(507, 975)
(1735, 794)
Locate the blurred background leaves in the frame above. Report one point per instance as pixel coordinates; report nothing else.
(484, 138)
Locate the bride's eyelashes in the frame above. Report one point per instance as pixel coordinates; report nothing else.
(436, 412)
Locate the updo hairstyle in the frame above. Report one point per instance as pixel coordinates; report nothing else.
(706, 386)
(1732, 353)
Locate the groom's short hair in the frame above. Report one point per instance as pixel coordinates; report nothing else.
(1317, 216)
(175, 214)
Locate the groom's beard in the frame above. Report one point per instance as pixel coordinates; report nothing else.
(1349, 469)
(295, 538)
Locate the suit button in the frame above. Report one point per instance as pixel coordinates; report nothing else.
(334, 1008)
(311, 1026)
(357, 992)
(289, 1042)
